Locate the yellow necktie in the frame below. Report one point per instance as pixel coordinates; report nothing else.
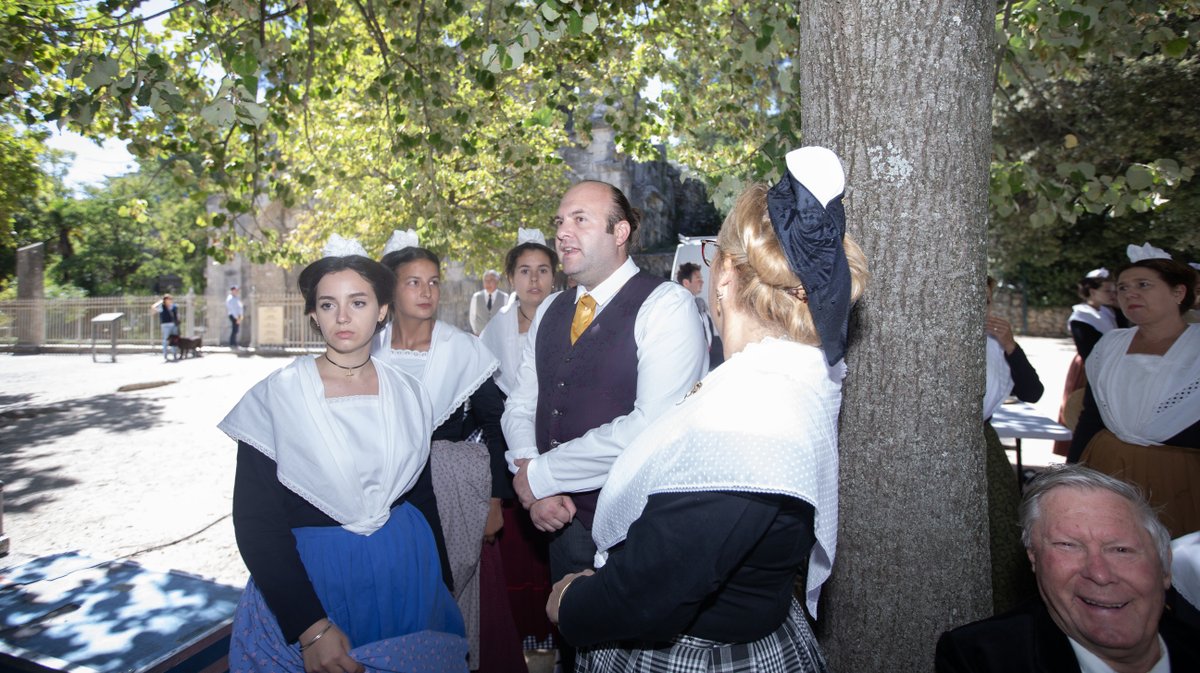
(585, 310)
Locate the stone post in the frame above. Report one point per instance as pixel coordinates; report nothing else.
(31, 291)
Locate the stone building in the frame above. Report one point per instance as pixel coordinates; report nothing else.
(670, 204)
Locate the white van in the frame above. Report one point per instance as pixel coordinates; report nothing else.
(688, 250)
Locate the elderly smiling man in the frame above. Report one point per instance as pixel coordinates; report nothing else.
(1102, 561)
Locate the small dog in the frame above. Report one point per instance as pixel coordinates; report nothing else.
(184, 345)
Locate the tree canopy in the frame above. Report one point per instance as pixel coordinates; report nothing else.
(447, 115)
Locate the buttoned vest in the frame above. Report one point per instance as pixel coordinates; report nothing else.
(588, 384)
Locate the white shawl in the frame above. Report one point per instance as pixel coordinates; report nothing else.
(763, 422)
(503, 338)
(999, 381)
(453, 368)
(1146, 399)
(1103, 318)
(287, 417)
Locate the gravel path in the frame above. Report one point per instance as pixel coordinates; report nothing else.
(143, 474)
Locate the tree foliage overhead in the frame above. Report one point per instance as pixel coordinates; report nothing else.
(448, 115)
(1094, 138)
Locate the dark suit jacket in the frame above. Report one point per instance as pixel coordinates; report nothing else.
(1027, 640)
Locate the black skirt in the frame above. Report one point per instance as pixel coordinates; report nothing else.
(792, 648)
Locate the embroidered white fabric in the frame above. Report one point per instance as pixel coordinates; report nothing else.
(763, 422)
(1185, 566)
(530, 236)
(400, 240)
(455, 366)
(1103, 318)
(999, 378)
(819, 170)
(1145, 251)
(348, 457)
(341, 247)
(1146, 399)
(503, 338)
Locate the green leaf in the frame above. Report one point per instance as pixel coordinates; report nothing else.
(550, 13)
(219, 113)
(1139, 177)
(1177, 48)
(252, 113)
(491, 59)
(590, 23)
(574, 24)
(516, 55)
(102, 73)
(245, 63)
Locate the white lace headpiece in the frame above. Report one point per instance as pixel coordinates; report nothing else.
(530, 236)
(1146, 251)
(341, 247)
(1097, 273)
(401, 240)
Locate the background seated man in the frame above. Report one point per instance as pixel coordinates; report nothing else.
(1102, 562)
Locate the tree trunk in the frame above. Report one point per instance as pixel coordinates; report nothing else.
(902, 92)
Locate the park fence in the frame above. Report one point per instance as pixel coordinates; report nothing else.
(272, 322)
(67, 322)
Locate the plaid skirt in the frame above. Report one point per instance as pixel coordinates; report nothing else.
(792, 648)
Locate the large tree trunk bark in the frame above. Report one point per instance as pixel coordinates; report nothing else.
(902, 92)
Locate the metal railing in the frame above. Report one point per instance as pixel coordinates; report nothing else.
(67, 322)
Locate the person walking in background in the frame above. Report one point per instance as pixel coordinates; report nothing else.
(333, 504)
(233, 308)
(168, 320)
(690, 276)
(487, 302)
(601, 361)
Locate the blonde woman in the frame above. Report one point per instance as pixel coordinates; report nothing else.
(711, 515)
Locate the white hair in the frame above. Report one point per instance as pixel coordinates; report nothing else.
(1086, 479)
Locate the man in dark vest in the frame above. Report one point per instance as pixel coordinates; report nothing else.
(601, 361)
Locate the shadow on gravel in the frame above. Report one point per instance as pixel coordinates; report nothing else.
(9, 399)
(28, 481)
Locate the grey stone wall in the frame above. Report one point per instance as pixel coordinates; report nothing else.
(670, 204)
(1039, 322)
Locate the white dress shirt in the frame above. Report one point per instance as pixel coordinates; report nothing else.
(672, 356)
(233, 305)
(1090, 663)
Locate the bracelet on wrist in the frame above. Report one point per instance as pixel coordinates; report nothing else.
(328, 625)
(564, 591)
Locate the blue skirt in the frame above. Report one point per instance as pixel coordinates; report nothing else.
(384, 590)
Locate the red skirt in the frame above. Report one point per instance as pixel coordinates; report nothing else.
(1076, 380)
(526, 555)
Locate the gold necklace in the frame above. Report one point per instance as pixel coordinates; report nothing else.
(349, 370)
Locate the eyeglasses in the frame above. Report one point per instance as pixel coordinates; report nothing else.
(708, 251)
